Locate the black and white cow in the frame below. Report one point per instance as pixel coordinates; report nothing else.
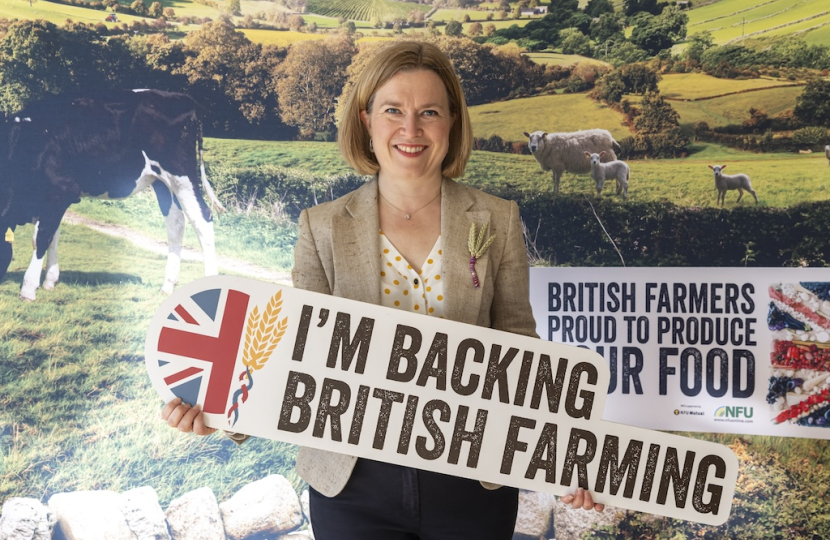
(108, 145)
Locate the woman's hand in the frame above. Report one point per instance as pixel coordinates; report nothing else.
(582, 499)
(185, 418)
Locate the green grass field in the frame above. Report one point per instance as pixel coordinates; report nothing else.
(819, 36)
(559, 59)
(363, 10)
(57, 13)
(281, 38)
(700, 85)
(77, 408)
(730, 19)
(733, 109)
(780, 179)
(559, 112)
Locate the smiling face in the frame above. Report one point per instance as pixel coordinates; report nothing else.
(409, 122)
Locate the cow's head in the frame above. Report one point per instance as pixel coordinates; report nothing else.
(537, 138)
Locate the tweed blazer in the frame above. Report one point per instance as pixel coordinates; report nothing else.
(337, 253)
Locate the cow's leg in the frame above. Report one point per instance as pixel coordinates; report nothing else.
(556, 177)
(45, 232)
(194, 208)
(6, 250)
(174, 218)
(52, 271)
(183, 191)
(175, 236)
(740, 194)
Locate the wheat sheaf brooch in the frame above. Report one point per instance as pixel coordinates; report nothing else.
(478, 246)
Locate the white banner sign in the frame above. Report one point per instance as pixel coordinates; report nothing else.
(728, 350)
(403, 388)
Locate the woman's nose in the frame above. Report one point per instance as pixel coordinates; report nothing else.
(411, 125)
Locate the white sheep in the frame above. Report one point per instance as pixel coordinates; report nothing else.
(727, 182)
(601, 172)
(827, 153)
(560, 152)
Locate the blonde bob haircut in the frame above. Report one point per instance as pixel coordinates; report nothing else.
(353, 138)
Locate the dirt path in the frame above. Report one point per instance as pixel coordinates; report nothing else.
(145, 242)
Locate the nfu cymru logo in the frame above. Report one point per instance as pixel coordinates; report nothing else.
(734, 413)
(200, 341)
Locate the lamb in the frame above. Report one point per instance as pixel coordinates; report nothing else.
(601, 172)
(560, 152)
(726, 182)
(827, 153)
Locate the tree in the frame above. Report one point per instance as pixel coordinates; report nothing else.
(296, 22)
(311, 78)
(234, 7)
(348, 27)
(608, 27)
(813, 105)
(453, 29)
(416, 17)
(138, 8)
(698, 44)
(475, 30)
(156, 10)
(656, 114)
(654, 34)
(595, 8)
(632, 7)
(575, 42)
(227, 74)
(490, 29)
(38, 58)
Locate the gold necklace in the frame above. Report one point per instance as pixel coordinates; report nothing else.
(408, 215)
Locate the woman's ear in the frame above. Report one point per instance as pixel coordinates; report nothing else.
(367, 121)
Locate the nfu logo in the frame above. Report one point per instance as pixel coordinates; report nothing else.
(734, 412)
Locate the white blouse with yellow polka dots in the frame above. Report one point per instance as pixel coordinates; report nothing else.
(402, 287)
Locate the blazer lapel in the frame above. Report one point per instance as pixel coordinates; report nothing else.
(458, 211)
(356, 246)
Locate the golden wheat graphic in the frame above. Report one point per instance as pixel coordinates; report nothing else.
(263, 332)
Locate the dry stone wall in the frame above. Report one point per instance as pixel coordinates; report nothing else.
(268, 509)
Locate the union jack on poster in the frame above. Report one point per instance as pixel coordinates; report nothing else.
(198, 346)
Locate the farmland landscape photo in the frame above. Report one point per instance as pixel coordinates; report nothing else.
(680, 85)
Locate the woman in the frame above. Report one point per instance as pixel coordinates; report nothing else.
(401, 241)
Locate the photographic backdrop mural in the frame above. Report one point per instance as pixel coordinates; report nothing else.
(684, 90)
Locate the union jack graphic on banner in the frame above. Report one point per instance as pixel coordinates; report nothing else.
(198, 346)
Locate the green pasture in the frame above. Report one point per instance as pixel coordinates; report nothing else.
(263, 240)
(819, 36)
(801, 27)
(559, 59)
(557, 112)
(725, 19)
(734, 108)
(363, 10)
(57, 13)
(780, 180)
(281, 38)
(77, 409)
(700, 85)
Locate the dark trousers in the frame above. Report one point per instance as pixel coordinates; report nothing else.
(389, 502)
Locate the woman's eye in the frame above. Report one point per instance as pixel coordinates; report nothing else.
(392, 110)
(430, 113)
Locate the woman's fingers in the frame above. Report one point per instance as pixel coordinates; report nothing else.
(168, 408)
(582, 499)
(199, 427)
(185, 418)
